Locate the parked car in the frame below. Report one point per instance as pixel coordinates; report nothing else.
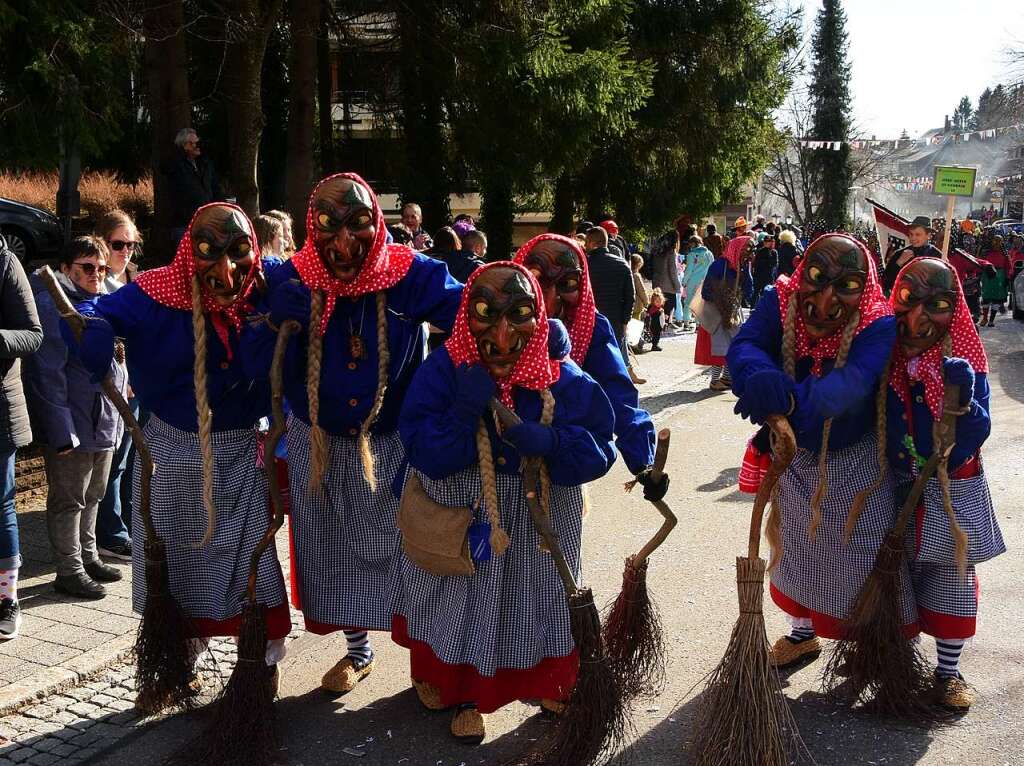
(30, 233)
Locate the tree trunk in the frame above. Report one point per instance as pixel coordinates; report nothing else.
(170, 107)
(497, 209)
(324, 93)
(242, 93)
(304, 18)
(562, 218)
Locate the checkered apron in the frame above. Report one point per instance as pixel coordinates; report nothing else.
(512, 612)
(207, 582)
(345, 535)
(937, 583)
(826, 575)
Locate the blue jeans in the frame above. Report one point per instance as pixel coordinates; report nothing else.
(114, 521)
(10, 549)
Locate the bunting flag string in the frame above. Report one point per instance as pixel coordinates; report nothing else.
(909, 143)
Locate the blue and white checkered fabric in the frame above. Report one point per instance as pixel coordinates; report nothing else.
(972, 505)
(512, 612)
(826, 575)
(345, 535)
(207, 582)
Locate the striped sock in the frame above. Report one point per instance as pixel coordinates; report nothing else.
(948, 651)
(359, 646)
(725, 377)
(799, 634)
(716, 373)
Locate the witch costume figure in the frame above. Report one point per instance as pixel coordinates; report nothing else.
(560, 268)
(182, 326)
(938, 340)
(718, 313)
(490, 625)
(814, 350)
(362, 303)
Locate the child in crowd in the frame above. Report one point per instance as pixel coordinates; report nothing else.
(655, 318)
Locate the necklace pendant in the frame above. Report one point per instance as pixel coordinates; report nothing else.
(356, 347)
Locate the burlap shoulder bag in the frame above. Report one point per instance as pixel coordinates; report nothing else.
(434, 536)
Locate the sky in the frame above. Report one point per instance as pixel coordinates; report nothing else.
(912, 60)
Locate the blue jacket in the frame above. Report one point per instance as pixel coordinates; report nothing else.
(972, 428)
(439, 445)
(847, 395)
(427, 293)
(161, 357)
(66, 408)
(634, 429)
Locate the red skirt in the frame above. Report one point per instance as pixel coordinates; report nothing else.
(702, 352)
(825, 625)
(553, 678)
(279, 624)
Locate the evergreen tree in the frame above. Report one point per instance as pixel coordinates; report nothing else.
(962, 115)
(830, 91)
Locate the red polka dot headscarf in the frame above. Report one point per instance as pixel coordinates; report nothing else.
(582, 328)
(384, 266)
(171, 285)
(927, 368)
(533, 370)
(872, 306)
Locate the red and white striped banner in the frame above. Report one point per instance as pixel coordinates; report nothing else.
(892, 228)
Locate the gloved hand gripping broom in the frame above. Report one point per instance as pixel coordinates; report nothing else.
(164, 664)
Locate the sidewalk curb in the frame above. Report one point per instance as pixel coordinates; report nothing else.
(22, 693)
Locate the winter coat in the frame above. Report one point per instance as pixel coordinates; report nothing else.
(20, 336)
(66, 407)
(612, 282)
(642, 298)
(189, 187)
(666, 272)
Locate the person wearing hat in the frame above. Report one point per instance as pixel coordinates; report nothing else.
(616, 244)
(919, 246)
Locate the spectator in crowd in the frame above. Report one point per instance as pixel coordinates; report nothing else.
(412, 219)
(714, 242)
(665, 271)
(616, 244)
(475, 244)
(640, 303)
(655, 319)
(123, 241)
(114, 517)
(759, 223)
(612, 283)
(698, 261)
(20, 336)
(995, 283)
(918, 234)
(400, 235)
(449, 248)
(77, 425)
(765, 265)
(191, 182)
(463, 224)
(287, 233)
(270, 235)
(788, 253)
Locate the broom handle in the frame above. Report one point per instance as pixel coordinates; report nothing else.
(277, 429)
(783, 450)
(531, 490)
(77, 324)
(670, 520)
(940, 453)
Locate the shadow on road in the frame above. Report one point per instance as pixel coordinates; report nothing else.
(659, 402)
(726, 478)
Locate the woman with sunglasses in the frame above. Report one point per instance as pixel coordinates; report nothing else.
(118, 231)
(113, 521)
(77, 426)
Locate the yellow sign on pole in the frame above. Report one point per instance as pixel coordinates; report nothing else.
(954, 180)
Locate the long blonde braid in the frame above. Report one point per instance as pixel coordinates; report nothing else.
(489, 489)
(959, 536)
(547, 414)
(773, 527)
(819, 494)
(314, 358)
(383, 362)
(204, 417)
(881, 424)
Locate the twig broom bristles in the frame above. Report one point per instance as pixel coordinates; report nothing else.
(743, 716)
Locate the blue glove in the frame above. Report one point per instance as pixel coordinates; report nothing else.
(559, 345)
(532, 439)
(959, 372)
(766, 392)
(290, 300)
(96, 350)
(474, 388)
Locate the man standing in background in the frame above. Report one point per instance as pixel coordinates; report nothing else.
(612, 282)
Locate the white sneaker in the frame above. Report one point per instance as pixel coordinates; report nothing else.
(10, 619)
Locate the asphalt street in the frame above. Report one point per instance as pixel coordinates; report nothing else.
(692, 577)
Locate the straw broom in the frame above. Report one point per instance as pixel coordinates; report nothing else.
(632, 630)
(875, 661)
(164, 668)
(595, 719)
(243, 728)
(743, 716)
